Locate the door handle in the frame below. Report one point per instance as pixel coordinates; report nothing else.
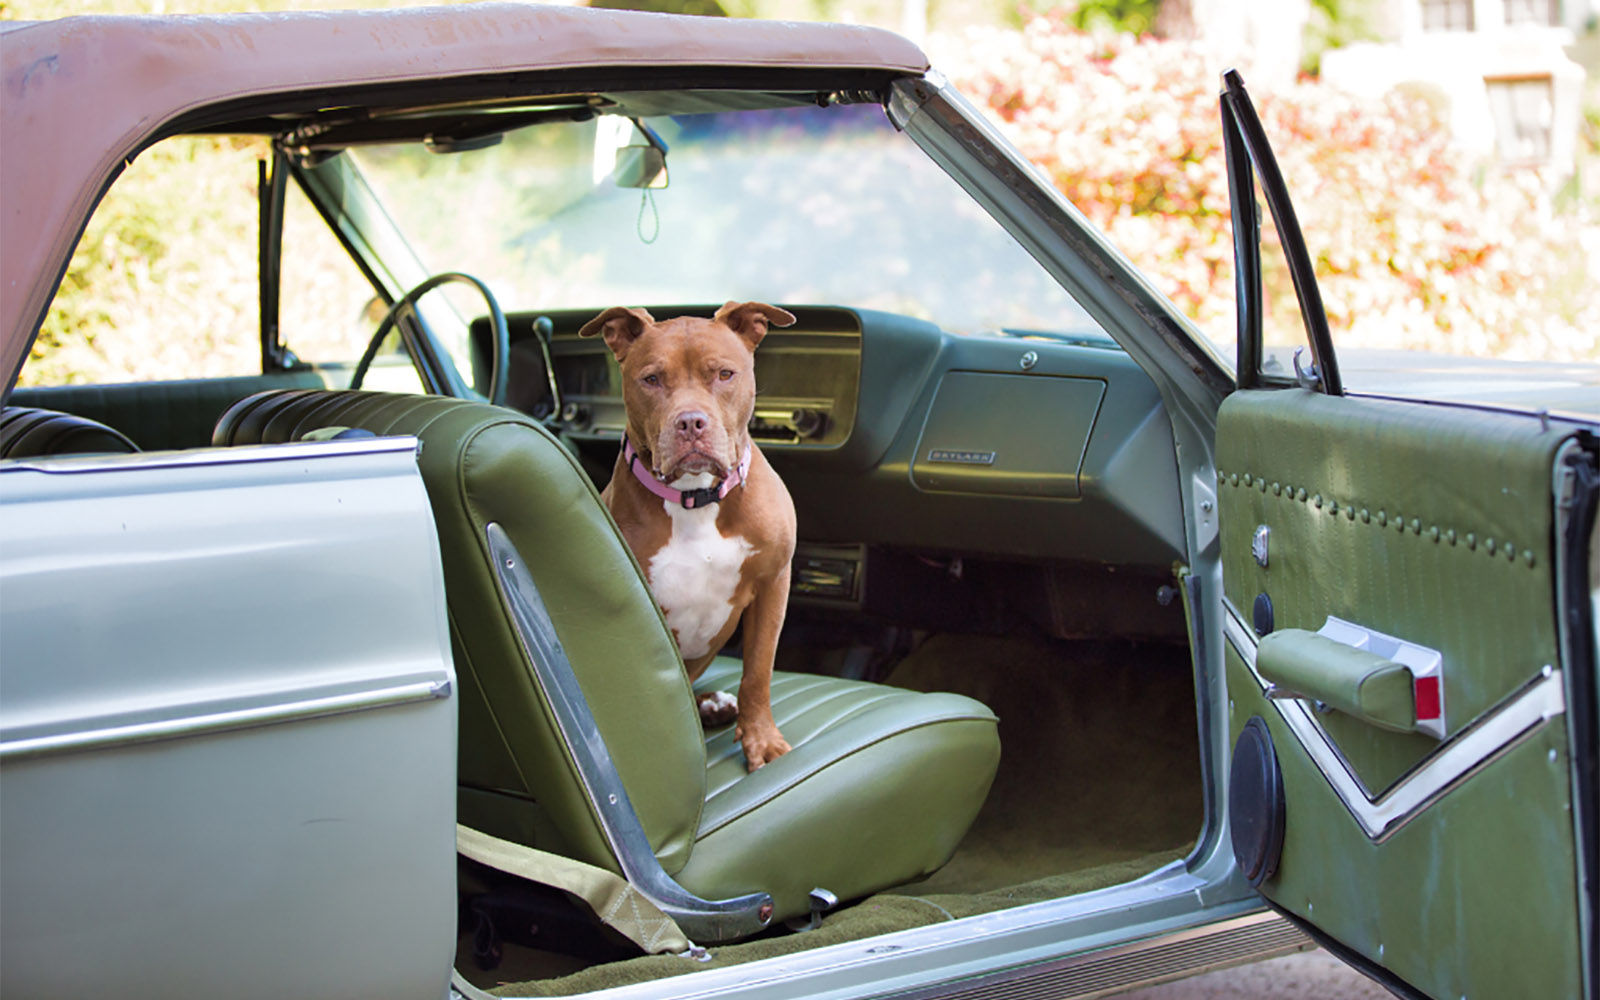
(1384, 681)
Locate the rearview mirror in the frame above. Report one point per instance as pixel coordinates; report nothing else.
(640, 167)
(629, 162)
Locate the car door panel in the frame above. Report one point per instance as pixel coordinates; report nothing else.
(1451, 862)
(245, 741)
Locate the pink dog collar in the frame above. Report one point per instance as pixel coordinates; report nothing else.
(690, 499)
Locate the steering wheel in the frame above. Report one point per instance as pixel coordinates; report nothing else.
(497, 324)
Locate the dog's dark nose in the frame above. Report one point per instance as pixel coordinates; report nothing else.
(692, 423)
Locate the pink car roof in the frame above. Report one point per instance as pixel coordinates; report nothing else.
(83, 93)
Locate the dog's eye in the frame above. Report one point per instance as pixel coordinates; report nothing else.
(651, 379)
(725, 374)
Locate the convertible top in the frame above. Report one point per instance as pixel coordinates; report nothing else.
(84, 93)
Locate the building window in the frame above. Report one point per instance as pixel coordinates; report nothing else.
(1543, 12)
(1447, 15)
(1524, 114)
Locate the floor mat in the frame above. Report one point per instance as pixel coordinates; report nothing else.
(1099, 754)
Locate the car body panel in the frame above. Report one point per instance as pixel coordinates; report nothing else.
(279, 757)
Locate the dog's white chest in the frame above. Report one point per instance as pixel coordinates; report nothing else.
(694, 577)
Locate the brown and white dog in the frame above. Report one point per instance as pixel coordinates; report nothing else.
(705, 515)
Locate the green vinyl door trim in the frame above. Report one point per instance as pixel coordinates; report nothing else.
(1452, 862)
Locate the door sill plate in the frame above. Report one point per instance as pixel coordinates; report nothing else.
(1141, 963)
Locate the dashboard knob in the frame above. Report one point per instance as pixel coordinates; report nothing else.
(809, 422)
(575, 414)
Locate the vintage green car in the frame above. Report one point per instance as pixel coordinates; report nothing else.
(314, 688)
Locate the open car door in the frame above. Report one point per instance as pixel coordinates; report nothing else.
(1410, 655)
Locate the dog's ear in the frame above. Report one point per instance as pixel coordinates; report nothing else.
(750, 319)
(620, 326)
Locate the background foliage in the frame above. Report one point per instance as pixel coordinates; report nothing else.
(1415, 246)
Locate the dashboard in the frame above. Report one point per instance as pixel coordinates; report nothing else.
(889, 431)
(807, 376)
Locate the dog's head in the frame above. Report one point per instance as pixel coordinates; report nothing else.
(688, 384)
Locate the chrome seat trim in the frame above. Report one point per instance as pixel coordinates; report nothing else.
(702, 921)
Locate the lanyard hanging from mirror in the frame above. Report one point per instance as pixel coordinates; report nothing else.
(647, 197)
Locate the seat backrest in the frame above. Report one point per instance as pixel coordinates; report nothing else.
(161, 415)
(29, 432)
(484, 464)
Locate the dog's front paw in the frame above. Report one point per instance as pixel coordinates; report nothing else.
(762, 745)
(717, 708)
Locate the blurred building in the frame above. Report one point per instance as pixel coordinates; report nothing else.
(1498, 68)
(1262, 40)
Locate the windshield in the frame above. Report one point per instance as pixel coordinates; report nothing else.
(802, 205)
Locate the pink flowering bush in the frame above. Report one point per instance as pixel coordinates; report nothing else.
(1415, 247)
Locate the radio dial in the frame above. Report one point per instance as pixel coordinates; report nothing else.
(809, 423)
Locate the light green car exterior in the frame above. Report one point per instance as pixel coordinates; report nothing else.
(1456, 863)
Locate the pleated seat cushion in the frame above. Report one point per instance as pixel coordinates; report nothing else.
(29, 432)
(879, 789)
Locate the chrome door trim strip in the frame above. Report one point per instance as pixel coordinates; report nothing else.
(1458, 758)
(210, 723)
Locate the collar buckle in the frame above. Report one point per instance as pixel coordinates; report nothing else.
(701, 497)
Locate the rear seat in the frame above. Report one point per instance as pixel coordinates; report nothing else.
(29, 432)
(161, 415)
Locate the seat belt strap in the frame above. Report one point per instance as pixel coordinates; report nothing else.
(618, 905)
